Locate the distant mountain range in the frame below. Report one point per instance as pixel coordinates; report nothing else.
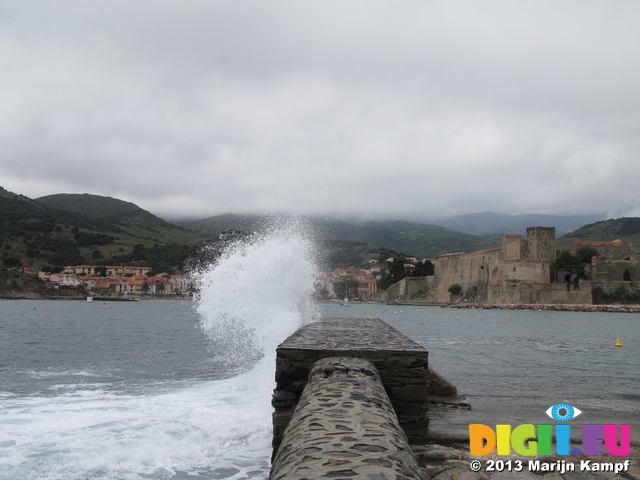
(416, 237)
(491, 222)
(61, 228)
(413, 239)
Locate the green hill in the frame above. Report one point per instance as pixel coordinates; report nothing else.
(18, 213)
(121, 233)
(107, 208)
(626, 228)
(125, 216)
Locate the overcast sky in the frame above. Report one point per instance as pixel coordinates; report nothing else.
(387, 109)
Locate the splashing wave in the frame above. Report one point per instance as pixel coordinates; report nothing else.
(257, 293)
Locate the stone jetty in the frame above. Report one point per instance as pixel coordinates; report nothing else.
(344, 427)
(384, 378)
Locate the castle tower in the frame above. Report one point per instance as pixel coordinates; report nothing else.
(541, 243)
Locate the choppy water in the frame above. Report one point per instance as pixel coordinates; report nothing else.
(530, 352)
(122, 390)
(153, 389)
(143, 391)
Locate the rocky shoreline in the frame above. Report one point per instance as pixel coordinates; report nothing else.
(551, 307)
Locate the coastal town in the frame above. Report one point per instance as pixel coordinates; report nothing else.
(524, 270)
(116, 281)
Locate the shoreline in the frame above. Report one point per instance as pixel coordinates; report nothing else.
(550, 307)
(557, 307)
(130, 298)
(633, 308)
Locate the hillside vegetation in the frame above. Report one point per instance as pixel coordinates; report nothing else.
(420, 240)
(626, 228)
(126, 216)
(413, 239)
(56, 237)
(68, 229)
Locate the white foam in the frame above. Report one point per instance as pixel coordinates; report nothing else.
(100, 435)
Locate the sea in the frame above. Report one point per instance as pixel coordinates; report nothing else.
(180, 389)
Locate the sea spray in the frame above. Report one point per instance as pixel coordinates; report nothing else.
(257, 293)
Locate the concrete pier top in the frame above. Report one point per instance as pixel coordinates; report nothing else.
(351, 335)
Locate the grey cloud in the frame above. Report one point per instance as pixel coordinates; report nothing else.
(357, 108)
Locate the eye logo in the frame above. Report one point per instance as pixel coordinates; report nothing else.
(563, 412)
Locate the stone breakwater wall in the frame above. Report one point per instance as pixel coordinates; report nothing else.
(401, 365)
(551, 307)
(401, 362)
(344, 426)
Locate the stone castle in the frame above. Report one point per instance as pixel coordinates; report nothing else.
(521, 270)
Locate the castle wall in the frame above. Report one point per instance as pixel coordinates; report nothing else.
(407, 289)
(517, 293)
(517, 272)
(609, 250)
(474, 272)
(613, 270)
(541, 293)
(582, 295)
(532, 271)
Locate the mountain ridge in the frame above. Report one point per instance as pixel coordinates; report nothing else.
(624, 228)
(101, 215)
(109, 208)
(13, 208)
(123, 214)
(33, 230)
(415, 239)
